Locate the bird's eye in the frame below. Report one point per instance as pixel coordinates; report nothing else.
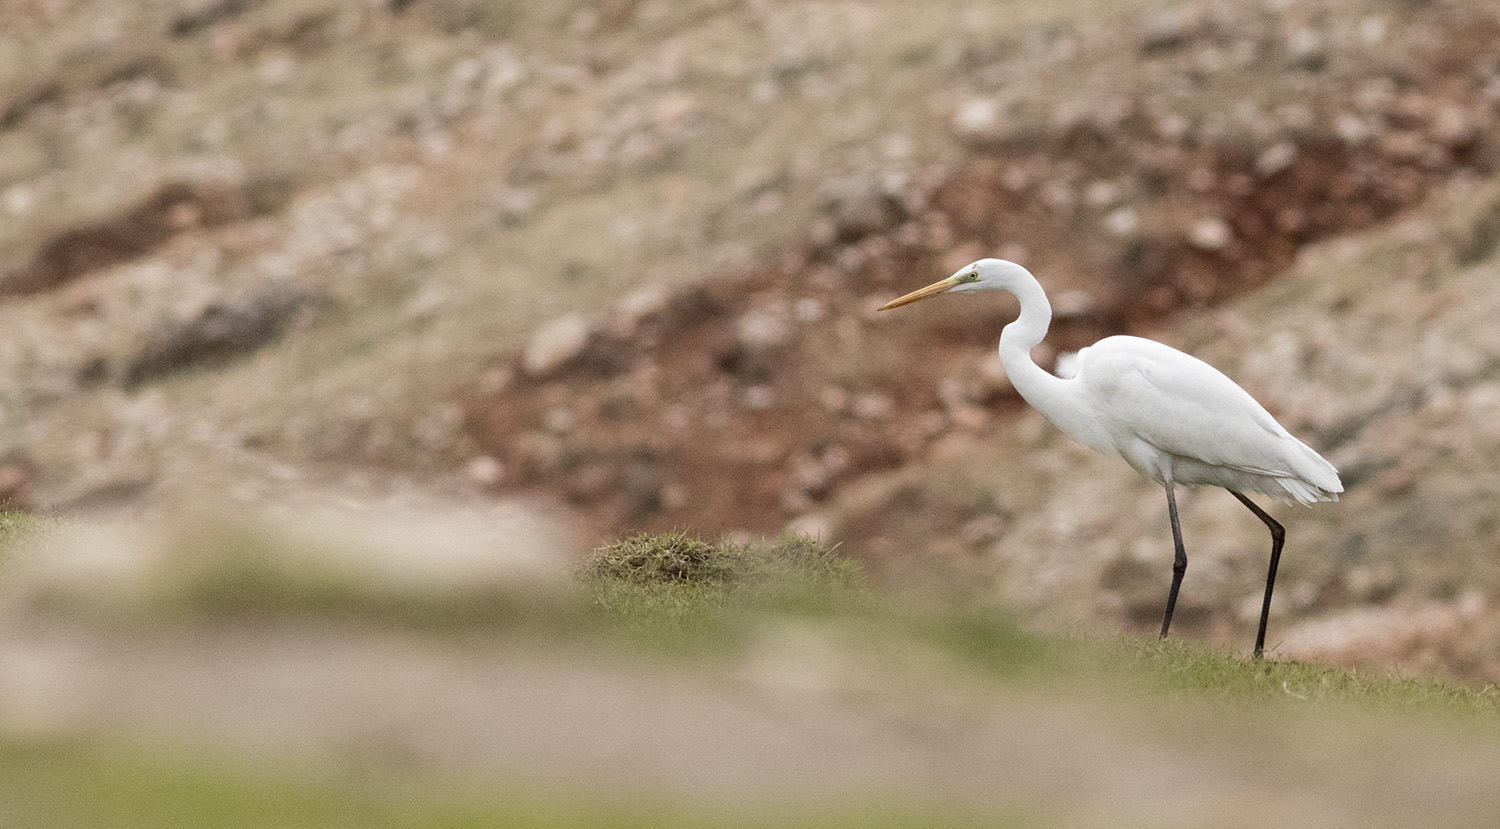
(973, 277)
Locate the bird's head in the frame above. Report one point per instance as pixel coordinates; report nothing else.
(984, 275)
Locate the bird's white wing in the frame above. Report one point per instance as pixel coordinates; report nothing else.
(1182, 405)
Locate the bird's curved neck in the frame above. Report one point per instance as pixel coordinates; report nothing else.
(1039, 387)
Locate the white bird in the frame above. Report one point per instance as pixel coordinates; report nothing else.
(1174, 418)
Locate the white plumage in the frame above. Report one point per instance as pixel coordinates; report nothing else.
(1177, 419)
(1174, 418)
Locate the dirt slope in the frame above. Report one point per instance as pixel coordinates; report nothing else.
(1139, 176)
(263, 249)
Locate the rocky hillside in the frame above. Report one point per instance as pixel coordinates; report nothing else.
(743, 401)
(621, 260)
(1377, 350)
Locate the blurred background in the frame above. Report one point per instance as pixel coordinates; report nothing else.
(453, 291)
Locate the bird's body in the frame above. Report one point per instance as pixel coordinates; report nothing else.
(1177, 419)
(1174, 418)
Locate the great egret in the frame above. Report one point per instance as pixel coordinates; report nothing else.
(1174, 418)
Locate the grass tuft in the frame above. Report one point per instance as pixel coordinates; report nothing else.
(674, 589)
(1190, 670)
(15, 525)
(664, 558)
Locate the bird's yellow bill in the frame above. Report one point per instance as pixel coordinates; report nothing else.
(931, 290)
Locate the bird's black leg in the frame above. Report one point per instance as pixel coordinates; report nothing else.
(1179, 565)
(1278, 536)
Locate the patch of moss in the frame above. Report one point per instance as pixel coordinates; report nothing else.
(664, 558)
(673, 588)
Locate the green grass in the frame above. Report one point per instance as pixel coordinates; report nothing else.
(1188, 670)
(712, 601)
(680, 594)
(672, 590)
(74, 786)
(15, 524)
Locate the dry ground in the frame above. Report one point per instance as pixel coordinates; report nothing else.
(296, 250)
(800, 721)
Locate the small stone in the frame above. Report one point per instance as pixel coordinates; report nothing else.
(673, 497)
(644, 301)
(809, 309)
(1210, 234)
(954, 393)
(763, 91)
(758, 398)
(834, 399)
(811, 525)
(1102, 193)
(485, 470)
(811, 475)
(896, 147)
(992, 380)
(558, 420)
(496, 380)
(851, 258)
(795, 500)
(1306, 51)
(969, 417)
(675, 107)
(836, 458)
(1296, 116)
(977, 118)
(1058, 195)
(1072, 303)
(873, 406)
(1350, 128)
(823, 233)
(676, 417)
(222, 332)
(556, 344)
(1396, 481)
(1372, 583)
(909, 235)
(1451, 126)
(1169, 30)
(538, 452)
(767, 203)
(1403, 145)
(1202, 180)
(19, 199)
(1279, 157)
(1173, 127)
(762, 329)
(1122, 222)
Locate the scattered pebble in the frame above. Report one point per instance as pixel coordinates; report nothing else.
(1210, 234)
(1275, 159)
(556, 344)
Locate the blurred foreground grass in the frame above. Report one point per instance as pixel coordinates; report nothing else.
(672, 590)
(693, 603)
(67, 786)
